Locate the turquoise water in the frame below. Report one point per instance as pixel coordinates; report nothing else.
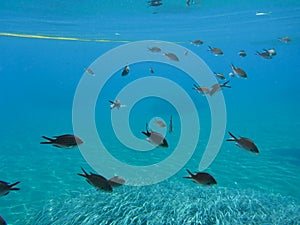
(39, 78)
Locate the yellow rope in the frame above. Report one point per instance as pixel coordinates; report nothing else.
(67, 38)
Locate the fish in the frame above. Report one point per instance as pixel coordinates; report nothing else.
(201, 90)
(155, 138)
(5, 187)
(285, 39)
(197, 42)
(186, 52)
(271, 51)
(126, 70)
(90, 71)
(154, 49)
(242, 53)
(238, 71)
(220, 75)
(171, 125)
(155, 3)
(116, 181)
(201, 178)
(151, 70)
(63, 141)
(263, 13)
(244, 143)
(265, 54)
(215, 51)
(218, 87)
(171, 56)
(97, 181)
(2, 221)
(116, 104)
(160, 123)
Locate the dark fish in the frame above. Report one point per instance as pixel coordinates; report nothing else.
(171, 125)
(265, 54)
(171, 56)
(151, 70)
(242, 53)
(154, 49)
(220, 76)
(197, 42)
(98, 181)
(215, 51)
(155, 3)
(155, 138)
(201, 90)
(2, 221)
(218, 87)
(238, 71)
(5, 187)
(63, 141)
(126, 70)
(202, 178)
(244, 143)
(116, 181)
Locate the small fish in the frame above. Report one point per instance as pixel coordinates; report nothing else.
(171, 56)
(155, 3)
(186, 52)
(215, 51)
(155, 138)
(116, 104)
(285, 39)
(171, 125)
(217, 87)
(271, 51)
(263, 13)
(90, 71)
(238, 71)
(126, 70)
(197, 42)
(151, 70)
(244, 143)
(5, 187)
(201, 90)
(2, 221)
(63, 141)
(154, 49)
(265, 54)
(116, 181)
(220, 76)
(242, 53)
(160, 123)
(202, 178)
(96, 180)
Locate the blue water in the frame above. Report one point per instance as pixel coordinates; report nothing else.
(38, 82)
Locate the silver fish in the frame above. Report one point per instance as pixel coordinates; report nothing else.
(155, 138)
(116, 104)
(96, 180)
(63, 141)
(5, 187)
(125, 71)
(285, 39)
(201, 178)
(244, 143)
(220, 76)
(242, 53)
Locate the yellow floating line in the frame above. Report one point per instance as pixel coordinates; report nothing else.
(67, 38)
(60, 38)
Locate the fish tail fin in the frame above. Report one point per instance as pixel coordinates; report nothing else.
(12, 188)
(190, 173)
(111, 102)
(84, 173)
(49, 140)
(233, 137)
(225, 84)
(209, 48)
